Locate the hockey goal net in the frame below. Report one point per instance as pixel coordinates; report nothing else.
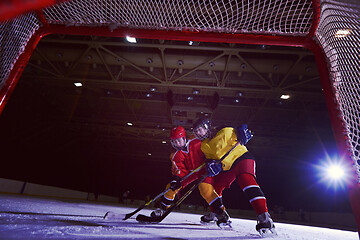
(333, 26)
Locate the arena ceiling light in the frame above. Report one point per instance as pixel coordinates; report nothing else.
(342, 33)
(193, 43)
(130, 39)
(196, 91)
(285, 96)
(78, 84)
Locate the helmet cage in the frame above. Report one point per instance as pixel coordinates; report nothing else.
(174, 143)
(205, 125)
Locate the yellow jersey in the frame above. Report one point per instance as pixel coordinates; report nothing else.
(216, 147)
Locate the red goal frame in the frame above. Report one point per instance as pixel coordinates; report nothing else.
(307, 42)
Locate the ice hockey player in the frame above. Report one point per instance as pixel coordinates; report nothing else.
(237, 163)
(187, 157)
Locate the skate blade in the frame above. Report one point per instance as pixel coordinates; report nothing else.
(267, 233)
(225, 226)
(207, 223)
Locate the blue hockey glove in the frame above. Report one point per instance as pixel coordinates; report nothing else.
(213, 168)
(175, 183)
(243, 134)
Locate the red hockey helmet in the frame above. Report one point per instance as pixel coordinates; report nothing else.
(177, 132)
(178, 138)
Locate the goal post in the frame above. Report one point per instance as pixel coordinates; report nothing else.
(328, 28)
(12, 8)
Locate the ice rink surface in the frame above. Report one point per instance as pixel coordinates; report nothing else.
(25, 217)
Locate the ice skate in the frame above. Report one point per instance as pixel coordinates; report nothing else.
(223, 221)
(265, 225)
(208, 218)
(157, 212)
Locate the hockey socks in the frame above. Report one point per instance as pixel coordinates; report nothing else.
(253, 192)
(165, 202)
(217, 206)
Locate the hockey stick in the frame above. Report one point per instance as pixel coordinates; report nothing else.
(143, 218)
(127, 216)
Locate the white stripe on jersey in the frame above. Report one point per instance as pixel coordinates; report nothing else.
(173, 163)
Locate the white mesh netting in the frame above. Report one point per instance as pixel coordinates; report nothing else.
(14, 35)
(285, 17)
(339, 35)
(267, 17)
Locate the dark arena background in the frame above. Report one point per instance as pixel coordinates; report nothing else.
(90, 91)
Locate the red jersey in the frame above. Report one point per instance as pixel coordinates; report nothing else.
(184, 161)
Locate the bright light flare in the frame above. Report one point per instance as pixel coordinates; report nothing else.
(334, 173)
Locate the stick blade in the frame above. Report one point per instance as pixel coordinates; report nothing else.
(110, 215)
(148, 219)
